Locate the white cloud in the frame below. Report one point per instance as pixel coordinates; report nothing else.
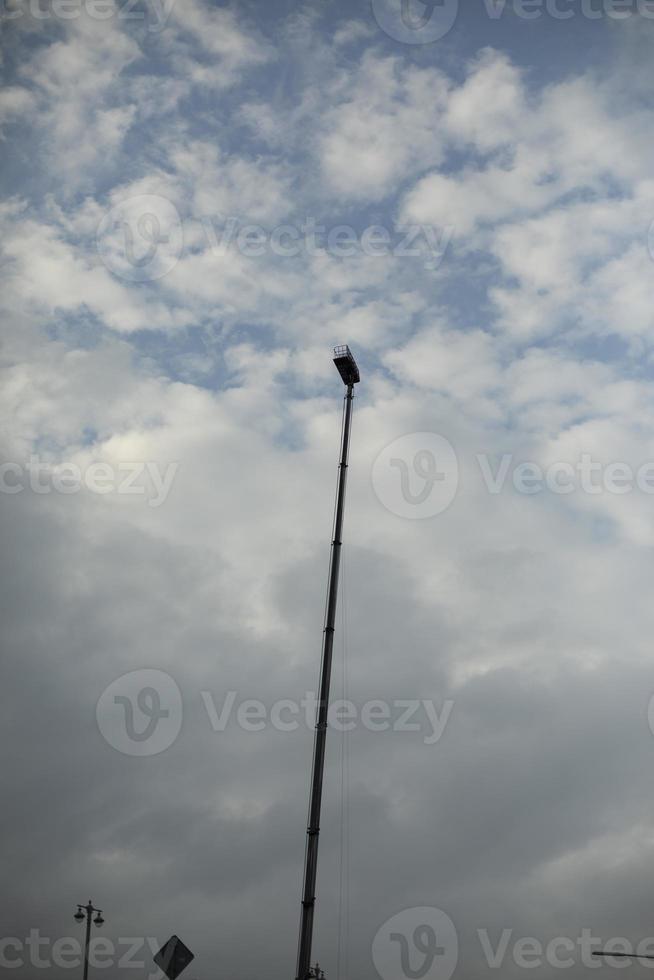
(588, 263)
(49, 275)
(535, 149)
(487, 123)
(231, 186)
(229, 49)
(463, 364)
(15, 103)
(384, 126)
(352, 31)
(77, 81)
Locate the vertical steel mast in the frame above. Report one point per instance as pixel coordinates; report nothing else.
(349, 372)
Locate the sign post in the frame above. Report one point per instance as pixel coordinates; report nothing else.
(173, 957)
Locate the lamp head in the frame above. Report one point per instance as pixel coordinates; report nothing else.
(347, 366)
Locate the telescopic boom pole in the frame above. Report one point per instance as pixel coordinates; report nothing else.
(349, 372)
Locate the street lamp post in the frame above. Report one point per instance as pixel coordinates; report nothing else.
(86, 911)
(349, 372)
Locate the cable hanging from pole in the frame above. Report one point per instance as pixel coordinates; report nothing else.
(343, 926)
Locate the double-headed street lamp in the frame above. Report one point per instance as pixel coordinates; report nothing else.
(86, 912)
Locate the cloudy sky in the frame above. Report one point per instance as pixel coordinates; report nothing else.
(199, 200)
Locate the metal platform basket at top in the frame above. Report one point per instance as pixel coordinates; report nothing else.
(347, 366)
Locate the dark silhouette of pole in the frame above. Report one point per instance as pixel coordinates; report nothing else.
(349, 372)
(82, 912)
(623, 956)
(87, 943)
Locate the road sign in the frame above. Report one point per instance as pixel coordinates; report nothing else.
(173, 957)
